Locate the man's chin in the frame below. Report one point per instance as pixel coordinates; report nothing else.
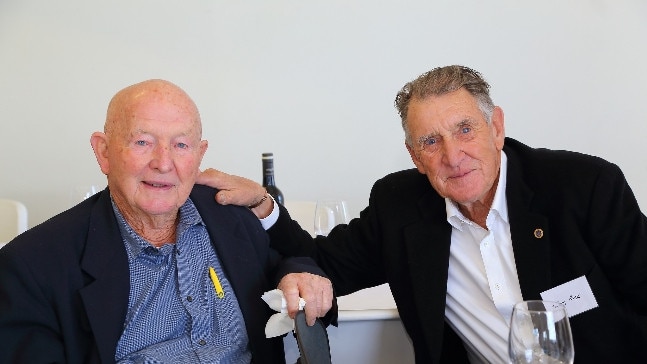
(159, 208)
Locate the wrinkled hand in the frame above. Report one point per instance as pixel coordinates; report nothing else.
(234, 190)
(315, 290)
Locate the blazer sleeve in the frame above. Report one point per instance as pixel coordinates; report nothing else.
(28, 330)
(618, 236)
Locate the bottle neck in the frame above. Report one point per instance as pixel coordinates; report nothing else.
(268, 172)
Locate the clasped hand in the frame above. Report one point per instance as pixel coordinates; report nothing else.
(315, 290)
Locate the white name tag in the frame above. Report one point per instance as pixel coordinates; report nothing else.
(576, 295)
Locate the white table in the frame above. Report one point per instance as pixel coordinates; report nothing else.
(369, 331)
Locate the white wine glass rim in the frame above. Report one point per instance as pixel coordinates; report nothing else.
(540, 306)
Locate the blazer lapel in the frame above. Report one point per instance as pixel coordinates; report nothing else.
(239, 259)
(530, 234)
(105, 297)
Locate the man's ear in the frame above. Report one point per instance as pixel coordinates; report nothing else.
(498, 125)
(99, 143)
(203, 148)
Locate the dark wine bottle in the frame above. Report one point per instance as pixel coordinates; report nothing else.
(268, 178)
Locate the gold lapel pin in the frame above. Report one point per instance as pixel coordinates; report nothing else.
(539, 233)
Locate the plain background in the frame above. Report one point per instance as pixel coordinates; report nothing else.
(313, 82)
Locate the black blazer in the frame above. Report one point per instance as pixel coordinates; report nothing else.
(64, 284)
(592, 226)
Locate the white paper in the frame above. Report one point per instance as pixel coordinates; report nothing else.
(279, 323)
(576, 295)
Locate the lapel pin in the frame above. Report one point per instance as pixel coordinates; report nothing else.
(539, 233)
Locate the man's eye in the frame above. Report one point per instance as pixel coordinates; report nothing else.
(182, 145)
(140, 142)
(429, 141)
(466, 129)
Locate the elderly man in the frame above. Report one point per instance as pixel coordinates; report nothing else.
(483, 222)
(148, 270)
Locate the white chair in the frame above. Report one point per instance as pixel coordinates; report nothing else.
(13, 219)
(304, 213)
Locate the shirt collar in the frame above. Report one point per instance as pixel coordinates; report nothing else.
(499, 203)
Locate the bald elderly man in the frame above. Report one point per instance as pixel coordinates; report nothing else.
(150, 269)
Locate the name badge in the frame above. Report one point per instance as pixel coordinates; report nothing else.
(576, 295)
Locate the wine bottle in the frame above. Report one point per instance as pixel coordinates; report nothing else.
(268, 178)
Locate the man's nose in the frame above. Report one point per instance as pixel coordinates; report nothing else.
(452, 152)
(162, 159)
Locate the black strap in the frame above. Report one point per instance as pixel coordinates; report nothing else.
(312, 341)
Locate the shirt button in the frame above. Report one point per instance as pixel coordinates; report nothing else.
(497, 286)
(189, 298)
(202, 342)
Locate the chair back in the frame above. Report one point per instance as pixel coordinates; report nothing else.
(312, 341)
(13, 219)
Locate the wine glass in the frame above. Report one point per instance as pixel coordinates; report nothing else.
(540, 333)
(328, 214)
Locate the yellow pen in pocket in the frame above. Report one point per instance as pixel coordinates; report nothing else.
(216, 283)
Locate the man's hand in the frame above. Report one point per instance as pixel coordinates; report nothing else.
(315, 290)
(235, 190)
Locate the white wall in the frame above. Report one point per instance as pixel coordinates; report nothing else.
(312, 82)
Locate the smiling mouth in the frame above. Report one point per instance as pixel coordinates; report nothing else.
(459, 175)
(158, 185)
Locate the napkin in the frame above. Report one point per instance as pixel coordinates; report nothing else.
(279, 323)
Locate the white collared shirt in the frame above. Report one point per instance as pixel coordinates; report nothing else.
(482, 285)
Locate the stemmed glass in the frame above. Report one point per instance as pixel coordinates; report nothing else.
(540, 332)
(328, 214)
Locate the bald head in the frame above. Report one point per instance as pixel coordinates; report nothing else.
(150, 151)
(158, 92)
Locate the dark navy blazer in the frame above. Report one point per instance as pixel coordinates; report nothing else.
(64, 284)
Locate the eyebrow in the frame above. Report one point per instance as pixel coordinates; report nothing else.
(458, 125)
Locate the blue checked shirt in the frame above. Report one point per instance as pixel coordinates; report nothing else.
(174, 315)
